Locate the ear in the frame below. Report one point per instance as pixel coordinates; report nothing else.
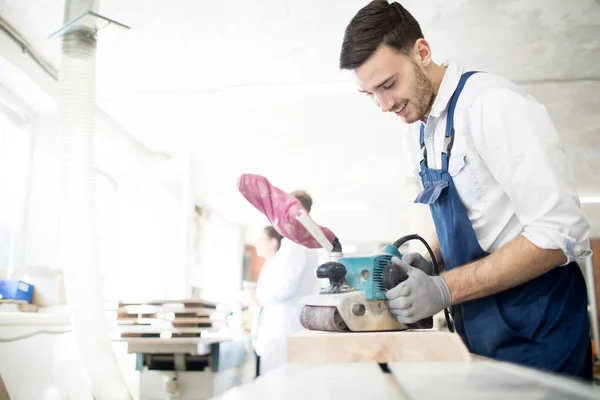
(422, 52)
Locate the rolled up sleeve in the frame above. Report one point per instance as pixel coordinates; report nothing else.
(522, 150)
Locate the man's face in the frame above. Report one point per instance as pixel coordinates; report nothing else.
(396, 83)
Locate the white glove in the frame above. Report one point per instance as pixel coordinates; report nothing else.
(420, 296)
(418, 261)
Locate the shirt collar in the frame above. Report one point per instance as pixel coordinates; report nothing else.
(449, 83)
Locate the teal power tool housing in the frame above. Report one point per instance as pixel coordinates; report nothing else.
(355, 299)
(364, 273)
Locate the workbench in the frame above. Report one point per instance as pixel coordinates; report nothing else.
(485, 379)
(190, 367)
(414, 364)
(183, 349)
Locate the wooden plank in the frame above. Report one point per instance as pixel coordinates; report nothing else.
(165, 346)
(130, 316)
(203, 303)
(158, 335)
(138, 321)
(159, 329)
(132, 310)
(195, 345)
(12, 301)
(491, 380)
(379, 347)
(319, 382)
(185, 325)
(20, 305)
(194, 340)
(191, 320)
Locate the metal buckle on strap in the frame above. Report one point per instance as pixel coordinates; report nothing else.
(424, 149)
(448, 143)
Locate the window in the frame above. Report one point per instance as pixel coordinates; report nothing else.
(15, 141)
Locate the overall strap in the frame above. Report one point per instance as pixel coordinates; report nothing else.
(449, 136)
(423, 162)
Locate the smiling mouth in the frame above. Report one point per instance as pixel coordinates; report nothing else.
(400, 110)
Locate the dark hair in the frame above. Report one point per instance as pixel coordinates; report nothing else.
(378, 22)
(273, 234)
(304, 199)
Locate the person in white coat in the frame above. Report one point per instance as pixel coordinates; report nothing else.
(284, 279)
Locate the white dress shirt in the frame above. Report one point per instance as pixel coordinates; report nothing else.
(507, 162)
(282, 282)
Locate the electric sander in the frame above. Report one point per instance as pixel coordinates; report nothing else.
(355, 299)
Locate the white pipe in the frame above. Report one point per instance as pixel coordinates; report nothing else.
(77, 236)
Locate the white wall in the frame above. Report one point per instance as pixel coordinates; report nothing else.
(221, 258)
(145, 241)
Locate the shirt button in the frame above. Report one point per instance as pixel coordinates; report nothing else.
(430, 138)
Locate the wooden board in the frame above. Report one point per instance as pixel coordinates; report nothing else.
(415, 381)
(20, 305)
(319, 382)
(196, 302)
(380, 347)
(162, 329)
(490, 380)
(149, 310)
(184, 321)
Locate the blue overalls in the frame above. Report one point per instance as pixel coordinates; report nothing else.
(542, 323)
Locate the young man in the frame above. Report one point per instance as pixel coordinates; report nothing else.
(501, 194)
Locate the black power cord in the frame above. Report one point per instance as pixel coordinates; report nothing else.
(436, 267)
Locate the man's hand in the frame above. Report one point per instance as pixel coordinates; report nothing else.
(418, 261)
(418, 297)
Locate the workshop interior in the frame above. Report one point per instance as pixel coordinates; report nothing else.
(196, 202)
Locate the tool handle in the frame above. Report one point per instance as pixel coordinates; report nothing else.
(393, 275)
(314, 230)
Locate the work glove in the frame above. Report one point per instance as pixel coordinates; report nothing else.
(418, 261)
(419, 296)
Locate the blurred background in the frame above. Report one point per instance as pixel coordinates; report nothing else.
(187, 96)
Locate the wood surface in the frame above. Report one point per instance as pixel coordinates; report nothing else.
(380, 347)
(319, 382)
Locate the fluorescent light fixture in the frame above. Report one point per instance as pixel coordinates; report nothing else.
(589, 199)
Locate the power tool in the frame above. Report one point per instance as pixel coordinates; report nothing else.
(355, 299)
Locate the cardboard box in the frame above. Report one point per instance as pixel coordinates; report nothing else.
(14, 289)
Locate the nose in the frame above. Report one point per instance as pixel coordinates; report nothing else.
(386, 103)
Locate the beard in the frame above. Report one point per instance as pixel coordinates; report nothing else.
(422, 99)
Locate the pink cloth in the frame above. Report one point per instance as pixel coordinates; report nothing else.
(280, 208)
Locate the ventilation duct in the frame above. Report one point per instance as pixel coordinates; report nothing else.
(77, 236)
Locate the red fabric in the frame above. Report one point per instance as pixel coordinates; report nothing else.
(281, 208)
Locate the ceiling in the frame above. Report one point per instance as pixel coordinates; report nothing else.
(255, 87)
